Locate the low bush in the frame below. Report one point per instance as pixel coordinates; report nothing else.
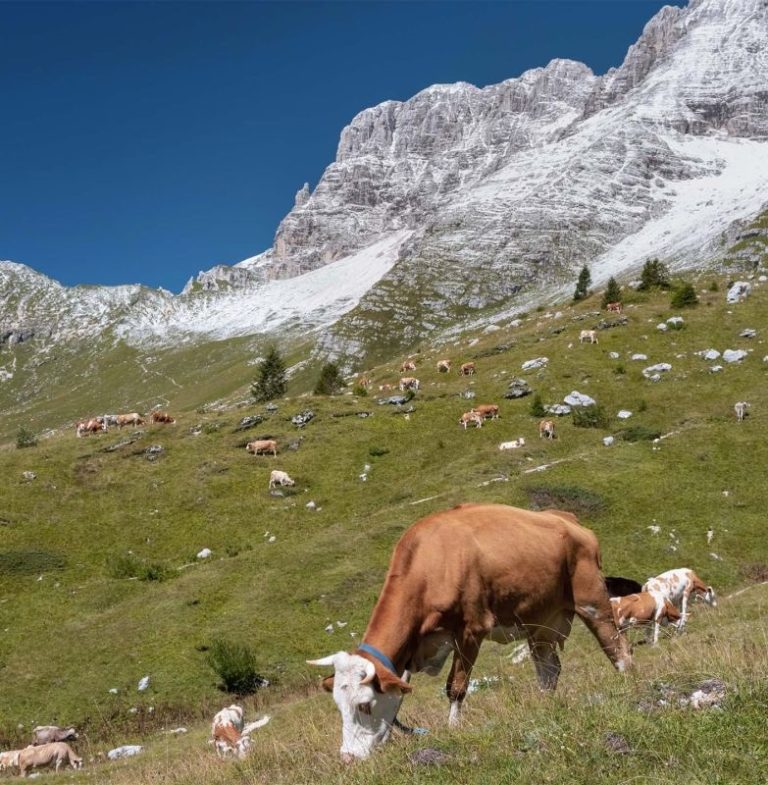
(639, 433)
(579, 501)
(25, 438)
(377, 452)
(590, 417)
(235, 664)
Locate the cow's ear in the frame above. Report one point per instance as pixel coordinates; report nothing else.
(327, 683)
(389, 682)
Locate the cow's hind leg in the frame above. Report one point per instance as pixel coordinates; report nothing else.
(464, 657)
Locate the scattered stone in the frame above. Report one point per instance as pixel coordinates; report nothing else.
(126, 751)
(531, 365)
(617, 743)
(579, 399)
(614, 355)
(608, 324)
(395, 400)
(468, 394)
(29, 476)
(518, 388)
(558, 409)
(708, 695)
(623, 414)
(734, 355)
(675, 321)
(708, 354)
(176, 731)
(249, 422)
(302, 418)
(113, 691)
(491, 328)
(124, 443)
(310, 505)
(652, 371)
(515, 323)
(716, 369)
(662, 326)
(748, 333)
(329, 629)
(639, 357)
(428, 756)
(143, 684)
(739, 291)
(608, 440)
(154, 451)
(271, 407)
(205, 553)
(277, 493)
(272, 539)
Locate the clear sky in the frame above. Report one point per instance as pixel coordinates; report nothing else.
(141, 142)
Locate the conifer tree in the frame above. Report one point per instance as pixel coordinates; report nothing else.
(612, 292)
(655, 275)
(583, 284)
(684, 296)
(330, 381)
(270, 382)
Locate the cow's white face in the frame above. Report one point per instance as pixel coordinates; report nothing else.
(366, 712)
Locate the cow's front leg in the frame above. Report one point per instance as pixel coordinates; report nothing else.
(464, 657)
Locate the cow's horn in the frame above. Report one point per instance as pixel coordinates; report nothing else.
(370, 673)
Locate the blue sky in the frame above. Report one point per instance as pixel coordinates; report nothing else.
(142, 142)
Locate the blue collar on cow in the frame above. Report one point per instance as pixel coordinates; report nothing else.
(376, 654)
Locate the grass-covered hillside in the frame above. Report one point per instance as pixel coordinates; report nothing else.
(100, 584)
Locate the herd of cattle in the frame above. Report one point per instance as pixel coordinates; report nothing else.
(104, 421)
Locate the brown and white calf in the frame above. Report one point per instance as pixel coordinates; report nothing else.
(408, 365)
(443, 366)
(163, 417)
(488, 411)
(644, 609)
(588, 335)
(134, 418)
(615, 307)
(261, 446)
(228, 733)
(54, 754)
(469, 417)
(678, 586)
(93, 425)
(467, 369)
(409, 383)
(547, 429)
(280, 478)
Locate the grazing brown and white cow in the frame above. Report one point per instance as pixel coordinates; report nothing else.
(615, 307)
(261, 446)
(677, 586)
(45, 734)
(134, 418)
(54, 754)
(467, 369)
(488, 411)
(547, 429)
(458, 577)
(94, 425)
(443, 366)
(644, 609)
(588, 335)
(280, 478)
(471, 416)
(161, 417)
(740, 407)
(409, 383)
(408, 365)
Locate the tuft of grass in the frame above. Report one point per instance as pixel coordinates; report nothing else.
(25, 438)
(593, 416)
(235, 664)
(579, 501)
(639, 433)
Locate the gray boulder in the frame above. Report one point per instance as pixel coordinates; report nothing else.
(518, 388)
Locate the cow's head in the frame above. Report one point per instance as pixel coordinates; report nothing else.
(709, 597)
(368, 697)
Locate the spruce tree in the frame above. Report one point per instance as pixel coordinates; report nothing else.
(536, 407)
(612, 292)
(684, 296)
(330, 381)
(270, 382)
(655, 275)
(583, 284)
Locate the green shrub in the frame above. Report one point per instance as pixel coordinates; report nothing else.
(620, 370)
(655, 275)
(612, 293)
(235, 665)
(713, 287)
(25, 438)
(376, 452)
(642, 405)
(330, 381)
(639, 433)
(360, 391)
(537, 407)
(583, 284)
(684, 296)
(271, 382)
(131, 566)
(590, 417)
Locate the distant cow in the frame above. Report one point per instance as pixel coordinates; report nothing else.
(488, 411)
(161, 417)
(588, 335)
(741, 409)
(280, 478)
(471, 416)
(643, 609)
(443, 366)
(467, 369)
(93, 425)
(45, 734)
(514, 445)
(110, 420)
(677, 586)
(129, 419)
(547, 429)
(614, 307)
(261, 446)
(621, 587)
(54, 754)
(409, 383)
(228, 733)
(408, 365)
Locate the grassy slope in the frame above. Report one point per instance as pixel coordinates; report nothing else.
(89, 507)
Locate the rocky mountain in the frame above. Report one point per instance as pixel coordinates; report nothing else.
(465, 198)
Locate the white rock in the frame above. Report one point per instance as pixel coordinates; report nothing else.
(675, 320)
(126, 751)
(558, 409)
(652, 371)
(113, 691)
(143, 684)
(310, 505)
(716, 368)
(709, 354)
(608, 440)
(639, 357)
(492, 328)
(329, 629)
(575, 398)
(539, 362)
(272, 539)
(734, 355)
(748, 333)
(515, 323)
(205, 553)
(623, 414)
(662, 326)
(614, 355)
(739, 291)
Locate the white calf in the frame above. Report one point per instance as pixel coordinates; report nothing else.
(512, 445)
(280, 478)
(588, 335)
(741, 410)
(677, 586)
